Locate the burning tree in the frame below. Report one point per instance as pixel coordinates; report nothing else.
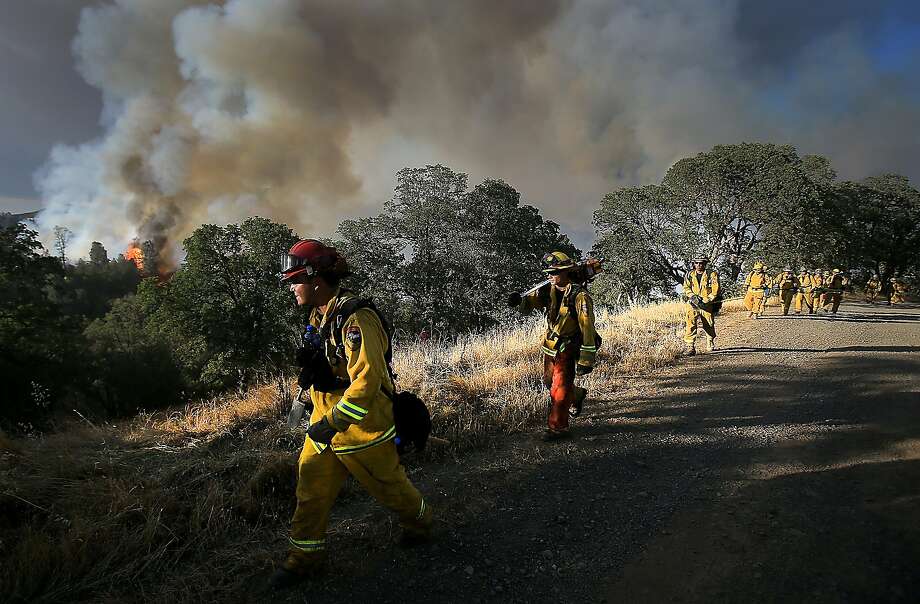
(135, 254)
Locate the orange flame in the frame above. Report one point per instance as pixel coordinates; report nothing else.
(135, 254)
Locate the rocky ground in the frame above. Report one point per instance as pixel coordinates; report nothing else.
(784, 466)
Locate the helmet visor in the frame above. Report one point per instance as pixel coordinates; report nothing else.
(291, 264)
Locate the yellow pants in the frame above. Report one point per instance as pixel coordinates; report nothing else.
(805, 298)
(320, 478)
(753, 301)
(785, 298)
(897, 298)
(695, 317)
(871, 295)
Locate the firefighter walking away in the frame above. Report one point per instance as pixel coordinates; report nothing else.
(571, 341)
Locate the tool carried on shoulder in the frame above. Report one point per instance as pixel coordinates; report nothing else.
(582, 274)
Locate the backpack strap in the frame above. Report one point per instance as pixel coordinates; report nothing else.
(571, 298)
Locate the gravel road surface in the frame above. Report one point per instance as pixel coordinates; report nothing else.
(783, 467)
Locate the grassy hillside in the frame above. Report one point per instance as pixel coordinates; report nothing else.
(177, 506)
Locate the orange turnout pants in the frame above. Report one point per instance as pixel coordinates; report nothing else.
(559, 378)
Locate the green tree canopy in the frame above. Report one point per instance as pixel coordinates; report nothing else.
(35, 337)
(441, 256)
(874, 226)
(728, 204)
(224, 308)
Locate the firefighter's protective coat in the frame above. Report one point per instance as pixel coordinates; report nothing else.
(788, 285)
(569, 320)
(756, 284)
(833, 286)
(804, 295)
(706, 286)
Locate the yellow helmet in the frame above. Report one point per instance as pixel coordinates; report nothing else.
(557, 261)
(758, 266)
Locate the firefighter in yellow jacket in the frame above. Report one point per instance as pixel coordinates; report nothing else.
(351, 424)
(787, 284)
(701, 290)
(899, 290)
(818, 294)
(833, 290)
(803, 297)
(873, 288)
(571, 341)
(756, 285)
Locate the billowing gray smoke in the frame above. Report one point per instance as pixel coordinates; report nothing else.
(302, 110)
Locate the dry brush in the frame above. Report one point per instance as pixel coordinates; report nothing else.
(178, 506)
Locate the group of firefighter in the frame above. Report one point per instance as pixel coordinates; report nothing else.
(816, 291)
(896, 292)
(354, 416)
(812, 291)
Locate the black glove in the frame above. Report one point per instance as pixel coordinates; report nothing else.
(514, 299)
(583, 369)
(322, 432)
(306, 377)
(315, 371)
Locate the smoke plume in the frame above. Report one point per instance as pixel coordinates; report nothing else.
(303, 110)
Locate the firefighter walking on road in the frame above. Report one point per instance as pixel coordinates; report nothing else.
(804, 296)
(873, 288)
(756, 285)
(898, 293)
(352, 429)
(701, 290)
(833, 290)
(788, 285)
(818, 290)
(571, 342)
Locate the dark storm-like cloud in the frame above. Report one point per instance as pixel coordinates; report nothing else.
(43, 101)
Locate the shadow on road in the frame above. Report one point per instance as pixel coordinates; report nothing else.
(735, 350)
(845, 317)
(719, 482)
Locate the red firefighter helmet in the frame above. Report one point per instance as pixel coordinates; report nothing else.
(311, 257)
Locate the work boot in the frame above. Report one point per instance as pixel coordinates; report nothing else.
(691, 351)
(712, 344)
(580, 395)
(553, 435)
(411, 539)
(296, 569)
(283, 578)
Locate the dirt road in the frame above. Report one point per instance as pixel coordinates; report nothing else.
(783, 467)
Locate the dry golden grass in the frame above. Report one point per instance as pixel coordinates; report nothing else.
(174, 506)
